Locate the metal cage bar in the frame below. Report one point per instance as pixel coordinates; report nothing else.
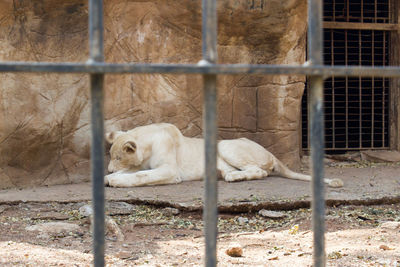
(91, 67)
(384, 90)
(360, 100)
(346, 48)
(210, 210)
(96, 49)
(333, 90)
(373, 86)
(316, 128)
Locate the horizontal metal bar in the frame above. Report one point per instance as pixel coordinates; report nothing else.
(360, 26)
(355, 148)
(115, 68)
(349, 149)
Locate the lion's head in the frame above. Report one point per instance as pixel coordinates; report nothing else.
(125, 153)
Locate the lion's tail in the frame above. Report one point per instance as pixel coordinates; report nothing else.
(281, 170)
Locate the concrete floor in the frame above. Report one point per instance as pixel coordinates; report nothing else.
(378, 184)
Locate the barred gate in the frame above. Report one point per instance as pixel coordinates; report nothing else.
(314, 69)
(357, 109)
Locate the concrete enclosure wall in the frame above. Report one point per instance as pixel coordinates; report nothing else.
(44, 118)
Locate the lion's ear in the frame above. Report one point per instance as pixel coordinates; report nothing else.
(110, 137)
(129, 147)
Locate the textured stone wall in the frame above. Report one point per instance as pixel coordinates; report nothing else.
(44, 118)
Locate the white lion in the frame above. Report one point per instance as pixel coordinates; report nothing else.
(158, 154)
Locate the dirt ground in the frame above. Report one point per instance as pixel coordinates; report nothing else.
(156, 235)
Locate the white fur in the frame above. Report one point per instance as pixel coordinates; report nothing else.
(159, 154)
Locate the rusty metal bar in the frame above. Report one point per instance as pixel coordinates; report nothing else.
(383, 89)
(210, 211)
(316, 128)
(360, 26)
(334, 10)
(347, 88)
(97, 122)
(333, 91)
(373, 86)
(360, 89)
(362, 10)
(354, 149)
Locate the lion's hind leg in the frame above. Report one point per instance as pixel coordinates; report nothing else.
(246, 157)
(224, 168)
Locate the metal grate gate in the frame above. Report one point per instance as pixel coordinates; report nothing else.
(315, 70)
(357, 32)
(357, 109)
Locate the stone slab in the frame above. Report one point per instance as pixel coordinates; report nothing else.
(381, 156)
(364, 186)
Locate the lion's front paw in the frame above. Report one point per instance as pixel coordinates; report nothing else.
(111, 180)
(335, 183)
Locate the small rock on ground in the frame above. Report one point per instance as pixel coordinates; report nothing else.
(170, 211)
(242, 220)
(112, 208)
(3, 208)
(86, 210)
(113, 228)
(54, 227)
(234, 250)
(272, 214)
(119, 208)
(390, 225)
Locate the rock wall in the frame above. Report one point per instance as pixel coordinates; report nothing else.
(44, 118)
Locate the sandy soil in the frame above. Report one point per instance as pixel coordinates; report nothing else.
(156, 237)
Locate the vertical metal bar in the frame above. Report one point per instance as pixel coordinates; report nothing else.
(360, 89)
(347, 87)
(210, 214)
(373, 90)
(362, 10)
(315, 47)
(383, 90)
(333, 93)
(97, 146)
(334, 10)
(96, 26)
